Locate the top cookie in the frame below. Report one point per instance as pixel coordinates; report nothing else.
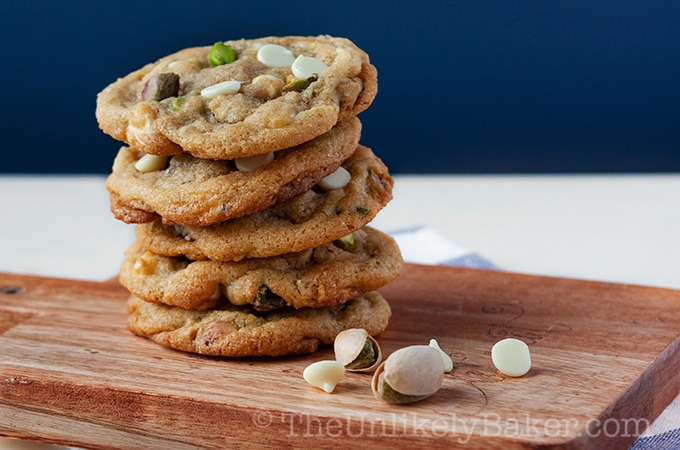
(279, 92)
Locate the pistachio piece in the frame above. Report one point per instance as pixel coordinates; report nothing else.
(448, 363)
(300, 85)
(388, 394)
(324, 375)
(177, 102)
(221, 54)
(365, 359)
(346, 242)
(356, 350)
(266, 300)
(161, 86)
(408, 375)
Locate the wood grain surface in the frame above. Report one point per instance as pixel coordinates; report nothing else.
(605, 364)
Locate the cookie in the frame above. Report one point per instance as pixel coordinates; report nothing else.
(306, 221)
(199, 192)
(240, 331)
(261, 102)
(325, 275)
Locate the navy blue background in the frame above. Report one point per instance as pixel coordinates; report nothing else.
(464, 86)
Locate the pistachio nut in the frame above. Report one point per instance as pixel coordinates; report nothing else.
(408, 375)
(161, 86)
(356, 350)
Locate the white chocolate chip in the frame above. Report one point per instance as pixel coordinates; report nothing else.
(273, 55)
(151, 163)
(324, 374)
(448, 363)
(511, 357)
(225, 87)
(251, 163)
(306, 66)
(138, 130)
(336, 180)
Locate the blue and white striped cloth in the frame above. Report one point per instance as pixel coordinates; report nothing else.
(424, 245)
(664, 433)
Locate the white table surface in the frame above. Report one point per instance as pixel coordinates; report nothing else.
(607, 228)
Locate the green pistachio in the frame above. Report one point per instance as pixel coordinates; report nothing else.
(161, 86)
(266, 300)
(408, 375)
(363, 211)
(365, 359)
(178, 101)
(300, 85)
(221, 54)
(388, 394)
(346, 242)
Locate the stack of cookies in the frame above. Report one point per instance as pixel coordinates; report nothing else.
(250, 192)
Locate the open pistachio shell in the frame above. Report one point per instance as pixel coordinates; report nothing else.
(408, 375)
(357, 351)
(448, 363)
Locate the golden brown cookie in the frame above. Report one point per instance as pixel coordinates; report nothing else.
(308, 220)
(240, 331)
(325, 275)
(193, 191)
(260, 102)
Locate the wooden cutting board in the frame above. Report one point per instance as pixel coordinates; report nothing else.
(605, 364)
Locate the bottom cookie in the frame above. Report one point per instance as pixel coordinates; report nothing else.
(243, 331)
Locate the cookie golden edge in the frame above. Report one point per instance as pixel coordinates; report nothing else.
(238, 332)
(273, 231)
(144, 197)
(323, 276)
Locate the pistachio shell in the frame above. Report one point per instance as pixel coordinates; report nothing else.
(415, 370)
(448, 363)
(383, 391)
(348, 346)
